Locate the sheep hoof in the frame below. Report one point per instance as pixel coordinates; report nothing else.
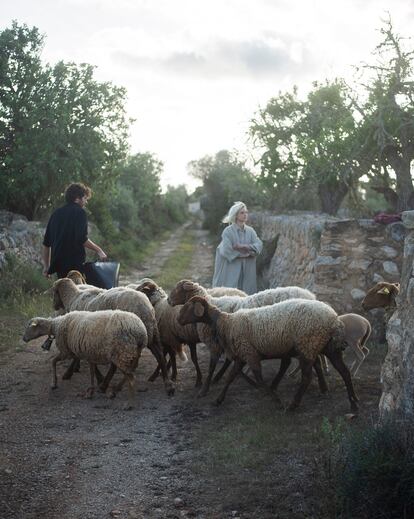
(217, 402)
(112, 394)
(170, 390)
(89, 392)
(198, 383)
(152, 378)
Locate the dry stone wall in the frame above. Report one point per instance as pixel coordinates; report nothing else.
(20, 237)
(339, 260)
(398, 368)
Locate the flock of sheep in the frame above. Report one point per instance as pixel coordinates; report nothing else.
(113, 326)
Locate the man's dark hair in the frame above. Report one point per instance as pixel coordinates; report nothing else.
(77, 190)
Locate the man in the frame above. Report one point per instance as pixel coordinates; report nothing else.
(67, 234)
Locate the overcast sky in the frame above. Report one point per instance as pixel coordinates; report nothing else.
(197, 70)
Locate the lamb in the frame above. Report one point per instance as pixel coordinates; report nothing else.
(186, 289)
(296, 327)
(69, 296)
(357, 332)
(172, 334)
(382, 295)
(104, 337)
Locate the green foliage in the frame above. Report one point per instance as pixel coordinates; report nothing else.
(309, 143)
(18, 278)
(226, 180)
(57, 125)
(371, 470)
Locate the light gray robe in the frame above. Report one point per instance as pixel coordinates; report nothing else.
(231, 269)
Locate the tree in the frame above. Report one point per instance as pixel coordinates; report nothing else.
(57, 125)
(226, 180)
(389, 115)
(315, 142)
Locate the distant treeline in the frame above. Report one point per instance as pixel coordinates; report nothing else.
(340, 146)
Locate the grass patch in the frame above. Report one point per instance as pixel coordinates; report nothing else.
(250, 440)
(178, 262)
(132, 252)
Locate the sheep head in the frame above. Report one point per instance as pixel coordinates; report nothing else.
(382, 295)
(183, 291)
(194, 311)
(77, 277)
(36, 327)
(148, 288)
(59, 287)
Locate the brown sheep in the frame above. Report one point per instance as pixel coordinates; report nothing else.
(382, 295)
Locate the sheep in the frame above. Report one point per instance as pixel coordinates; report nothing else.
(172, 334)
(185, 289)
(382, 295)
(79, 279)
(108, 336)
(296, 327)
(357, 332)
(225, 291)
(67, 295)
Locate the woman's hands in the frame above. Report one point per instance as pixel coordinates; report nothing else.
(244, 250)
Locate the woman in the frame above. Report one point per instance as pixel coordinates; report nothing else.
(235, 264)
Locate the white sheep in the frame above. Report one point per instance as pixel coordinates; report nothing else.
(296, 327)
(173, 335)
(185, 289)
(67, 295)
(104, 337)
(225, 291)
(79, 279)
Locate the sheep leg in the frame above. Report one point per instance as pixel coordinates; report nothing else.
(221, 371)
(91, 389)
(131, 384)
(173, 363)
(57, 358)
(335, 356)
(306, 367)
(359, 353)
(294, 371)
(284, 364)
(235, 370)
(193, 353)
(214, 358)
(103, 386)
(156, 373)
(320, 373)
(74, 366)
(169, 386)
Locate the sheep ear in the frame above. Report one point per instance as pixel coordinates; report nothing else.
(33, 323)
(198, 309)
(384, 290)
(397, 286)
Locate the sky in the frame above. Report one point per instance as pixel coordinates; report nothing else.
(196, 71)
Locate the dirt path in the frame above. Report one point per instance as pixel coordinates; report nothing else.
(65, 457)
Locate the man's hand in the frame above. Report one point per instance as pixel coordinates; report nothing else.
(46, 273)
(101, 254)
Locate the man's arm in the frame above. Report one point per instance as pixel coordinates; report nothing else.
(89, 244)
(46, 260)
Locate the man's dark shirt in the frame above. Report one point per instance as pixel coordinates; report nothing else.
(66, 232)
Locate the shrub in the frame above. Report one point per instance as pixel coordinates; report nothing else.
(372, 470)
(19, 278)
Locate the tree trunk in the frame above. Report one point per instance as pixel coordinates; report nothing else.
(331, 196)
(400, 161)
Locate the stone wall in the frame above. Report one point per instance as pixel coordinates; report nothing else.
(339, 260)
(20, 237)
(398, 368)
